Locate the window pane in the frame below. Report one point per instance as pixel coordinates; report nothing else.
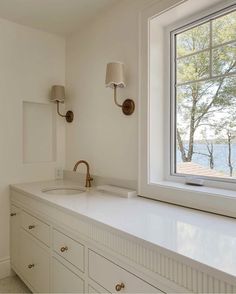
(224, 29)
(205, 134)
(194, 67)
(224, 59)
(206, 128)
(193, 40)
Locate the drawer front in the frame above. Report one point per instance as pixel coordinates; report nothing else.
(69, 249)
(64, 280)
(114, 278)
(34, 263)
(95, 288)
(92, 290)
(36, 227)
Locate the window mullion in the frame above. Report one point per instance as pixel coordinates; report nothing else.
(207, 79)
(206, 49)
(210, 66)
(192, 54)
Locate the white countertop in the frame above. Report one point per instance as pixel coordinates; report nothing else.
(207, 238)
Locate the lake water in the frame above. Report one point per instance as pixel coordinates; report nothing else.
(220, 156)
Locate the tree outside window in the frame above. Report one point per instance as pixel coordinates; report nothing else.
(205, 98)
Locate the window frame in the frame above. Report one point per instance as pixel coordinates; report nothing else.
(165, 187)
(208, 180)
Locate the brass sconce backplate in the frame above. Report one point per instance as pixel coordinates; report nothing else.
(69, 116)
(128, 107)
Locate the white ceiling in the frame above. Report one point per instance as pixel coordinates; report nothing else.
(54, 16)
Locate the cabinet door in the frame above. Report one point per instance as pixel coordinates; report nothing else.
(34, 262)
(64, 280)
(15, 234)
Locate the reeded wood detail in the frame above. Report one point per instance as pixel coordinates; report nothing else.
(182, 274)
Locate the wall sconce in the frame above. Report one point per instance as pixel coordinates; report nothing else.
(58, 95)
(115, 77)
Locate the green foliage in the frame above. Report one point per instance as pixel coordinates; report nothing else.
(193, 40)
(193, 67)
(224, 29)
(223, 59)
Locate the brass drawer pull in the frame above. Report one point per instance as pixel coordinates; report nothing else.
(31, 227)
(119, 287)
(63, 249)
(30, 265)
(13, 214)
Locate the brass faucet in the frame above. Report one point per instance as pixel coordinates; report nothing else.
(88, 177)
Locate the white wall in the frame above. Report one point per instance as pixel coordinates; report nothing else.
(101, 134)
(30, 62)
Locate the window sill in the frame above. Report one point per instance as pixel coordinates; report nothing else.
(217, 192)
(219, 201)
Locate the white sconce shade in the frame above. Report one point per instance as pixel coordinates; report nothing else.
(115, 75)
(58, 93)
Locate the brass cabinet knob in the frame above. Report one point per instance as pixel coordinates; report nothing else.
(30, 265)
(64, 248)
(119, 287)
(13, 214)
(31, 227)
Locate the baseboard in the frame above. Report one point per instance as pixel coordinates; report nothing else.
(5, 268)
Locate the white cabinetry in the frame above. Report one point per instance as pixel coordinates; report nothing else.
(69, 249)
(34, 262)
(49, 259)
(15, 235)
(36, 227)
(64, 280)
(56, 249)
(92, 290)
(114, 278)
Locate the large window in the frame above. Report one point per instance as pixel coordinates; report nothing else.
(187, 103)
(203, 62)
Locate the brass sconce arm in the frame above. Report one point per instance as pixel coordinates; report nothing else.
(115, 96)
(58, 95)
(69, 115)
(128, 105)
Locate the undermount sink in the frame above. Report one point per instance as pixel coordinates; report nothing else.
(62, 191)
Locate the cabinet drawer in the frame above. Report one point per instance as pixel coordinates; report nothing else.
(114, 278)
(64, 280)
(34, 262)
(92, 290)
(69, 249)
(36, 227)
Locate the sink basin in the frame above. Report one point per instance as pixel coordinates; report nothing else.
(62, 191)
